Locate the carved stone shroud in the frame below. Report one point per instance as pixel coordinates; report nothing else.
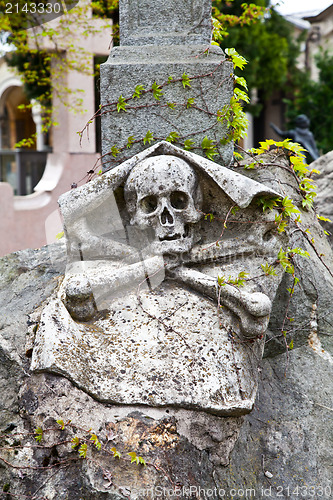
(156, 338)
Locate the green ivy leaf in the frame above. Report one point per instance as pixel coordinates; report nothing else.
(237, 60)
(148, 137)
(130, 141)
(60, 235)
(157, 92)
(61, 423)
(241, 95)
(135, 458)
(239, 80)
(138, 91)
(268, 270)
(221, 280)
(267, 203)
(325, 219)
(171, 105)
(188, 144)
(39, 434)
(83, 450)
(115, 151)
(116, 453)
(190, 102)
(298, 251)
(209, 148)
(185, 80)
(96, 442)
(75, 442)
(172, 137)
(121, 104)
(289, 207)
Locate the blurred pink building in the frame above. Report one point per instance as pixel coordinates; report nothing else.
(31, 180)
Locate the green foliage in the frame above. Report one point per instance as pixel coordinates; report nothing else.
(83, 450)
(121, 105)
(268, 270)
(239, 281)
(96, 442)
(296, 157)
(42, 70)
(266, 42)
(135, 458)
(285, 259)
(172, 137)
(267, 203)
(157, 91)
(237, 60)
(60, 235)
(62, 424)
(210, 216)
(138, 91)
(34, 66)
(289, 207)
(130, 141)
(188, 144)
(106, 8)
(190, 102)
(115, 151)
(75, 441)
(39, 434)
(116, 453)
(209, 148)
(325, 219)
(185, 80)
(148, 137)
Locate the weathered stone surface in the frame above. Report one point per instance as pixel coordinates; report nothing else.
(311, 301)
(164, 22)
(324, 182)
(288, 434)
(129, 66)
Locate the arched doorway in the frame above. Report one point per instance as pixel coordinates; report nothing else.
(22, 167)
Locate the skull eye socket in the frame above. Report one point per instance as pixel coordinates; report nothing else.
(178, 200)
(149, 204)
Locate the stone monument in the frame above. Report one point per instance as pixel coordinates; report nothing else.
(158, 44)
(131, 363)
(141, 291)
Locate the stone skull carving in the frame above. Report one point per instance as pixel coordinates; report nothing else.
(163, 193)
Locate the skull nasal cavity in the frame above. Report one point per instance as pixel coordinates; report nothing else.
(166, 217)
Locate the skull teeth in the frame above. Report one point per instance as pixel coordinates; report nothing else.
(171, 237)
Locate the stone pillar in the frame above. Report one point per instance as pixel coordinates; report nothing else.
(159, 42)
(38, 119)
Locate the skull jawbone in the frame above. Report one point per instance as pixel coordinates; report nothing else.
(181, 245)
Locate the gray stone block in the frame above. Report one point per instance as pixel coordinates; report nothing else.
(165, 22)
(128, 67)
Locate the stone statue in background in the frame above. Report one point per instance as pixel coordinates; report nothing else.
(300, 134)
(144, 315)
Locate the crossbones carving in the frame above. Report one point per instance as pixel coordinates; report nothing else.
(163, 198)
